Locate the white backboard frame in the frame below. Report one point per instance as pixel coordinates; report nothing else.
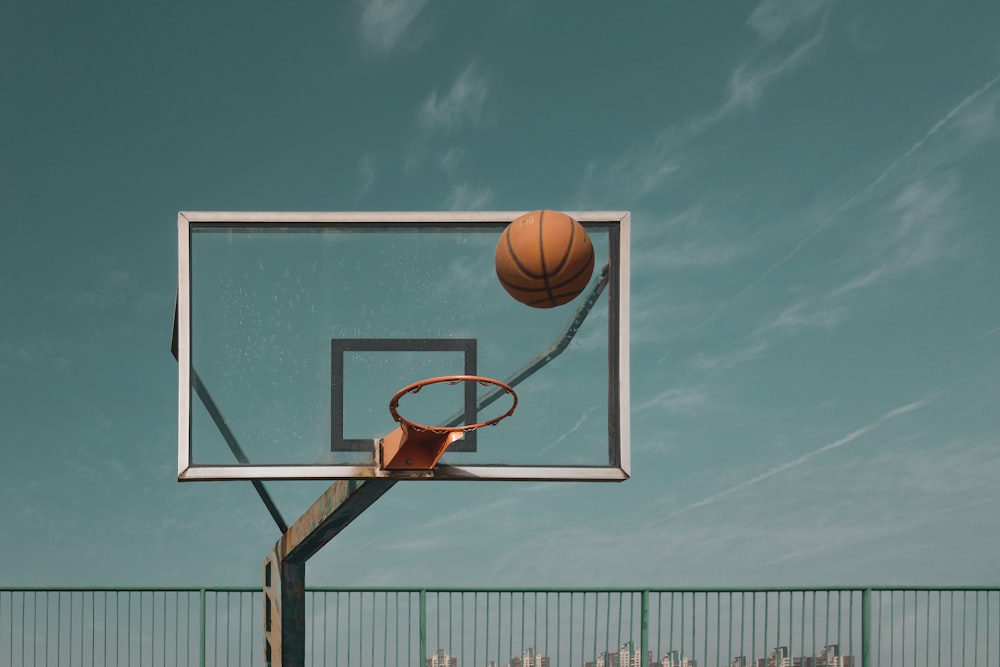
(619, 300)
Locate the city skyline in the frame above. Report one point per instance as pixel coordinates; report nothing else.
(628, 655)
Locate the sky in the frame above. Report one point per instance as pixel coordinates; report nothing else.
(815, 333)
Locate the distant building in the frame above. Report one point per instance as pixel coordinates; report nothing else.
(779, 658)
(441, 658)
(829, 657)
(630, 656)
(674, 659)
(530, 659)
(605, 659)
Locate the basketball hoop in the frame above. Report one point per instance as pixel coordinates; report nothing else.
(451, 380)
(416, 446)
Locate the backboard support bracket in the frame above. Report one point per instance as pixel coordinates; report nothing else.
(285, 565)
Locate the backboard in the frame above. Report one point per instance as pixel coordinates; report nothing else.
(294, 330)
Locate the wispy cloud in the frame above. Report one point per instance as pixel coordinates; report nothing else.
(805, 458)
(773, 18)
(113, 287)
(676, 401)
(465, 271)
(384, 23)
(967, 102)
(462, 107)
(573, 429)
(40, 351)
(913, 231)
(645, 169)
(731, 358)
(685, 241)
(12, 352)
(451, 159)
(805, 314)
(910, 233)
(463, 104)
(749, 80)
(366, 172)
(994, 330)
(926, 210)
(850, 201)
(466, 513)
(861, 281)
(916, 231)
(641, 170)
(466, 197)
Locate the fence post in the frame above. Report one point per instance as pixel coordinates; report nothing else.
(201, 630)
(644, 630)
(866, 627)
(423, 628)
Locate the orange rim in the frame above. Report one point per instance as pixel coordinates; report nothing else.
(450, 379)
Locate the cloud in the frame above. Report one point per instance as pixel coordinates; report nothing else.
(924, 214)
(366, 172)
(732, 358)
(851, 201)
(385, 22)
(861, 281)
(990, 332)
(466, 513)
(912, 231)
(640, 171)
(806, 314)
(949, 117)
(12, 352)
(748, 81)
(451, 159)
(462, 106)
(684, 241)
(979, 122)
(675, 401)
(771, 19)
(442, 118)
(465, 273)
(40, 350)
(573, 429)
(643, 170)
(113, 287)
(775, 470)
(926, 209)
(465, 197)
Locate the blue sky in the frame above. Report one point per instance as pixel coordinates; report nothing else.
(815, 325)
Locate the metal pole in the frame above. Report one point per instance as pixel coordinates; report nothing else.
(644, 629)
(866, 627)
(423, 628)
(201, 621)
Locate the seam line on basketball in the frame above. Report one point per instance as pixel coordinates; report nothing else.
(541, 251)
(569, 249)
(517, 260)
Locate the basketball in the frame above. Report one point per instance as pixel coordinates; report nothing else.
(544, 259)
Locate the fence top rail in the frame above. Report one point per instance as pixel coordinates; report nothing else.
(526, 590)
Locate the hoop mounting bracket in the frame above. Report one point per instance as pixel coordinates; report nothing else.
(408, 448)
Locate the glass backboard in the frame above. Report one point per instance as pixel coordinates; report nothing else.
(294, 330)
